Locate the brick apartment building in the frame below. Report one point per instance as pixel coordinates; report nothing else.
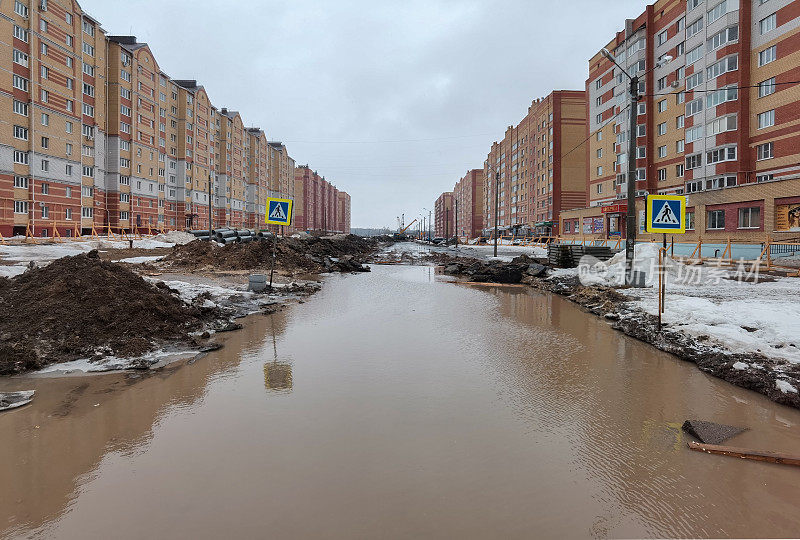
(718, 123)
(468, 204)
(444, 216)
(541, 167)
(318, 205)
(96, 134)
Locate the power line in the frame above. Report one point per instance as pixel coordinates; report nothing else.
(393, 141)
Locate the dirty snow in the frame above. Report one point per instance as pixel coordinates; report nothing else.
(140, 260)
(530, 251)
(11, 271)
(49, 252)
(740, 366)
(175, 237)
(113, 363)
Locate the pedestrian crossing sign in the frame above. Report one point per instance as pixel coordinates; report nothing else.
(666, 214)
(279, 211)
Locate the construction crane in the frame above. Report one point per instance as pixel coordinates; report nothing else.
(407, 227)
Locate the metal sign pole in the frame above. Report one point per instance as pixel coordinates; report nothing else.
(274, 252)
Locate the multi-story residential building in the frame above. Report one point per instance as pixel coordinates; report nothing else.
(716, 123)
(343, 212)
(53, 134)
(444, 216)
(96, 136)
(537, 170)
(468, 204)
(318, 205)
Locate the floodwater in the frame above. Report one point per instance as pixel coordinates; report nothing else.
(396, 405)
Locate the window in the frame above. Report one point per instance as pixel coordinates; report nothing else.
(717, 11)
(721, 154)
(680, 146)
(681, 24)
(87, 212)
(750, 218)
(45, 142)
(124, 162)
(680, 48)
(87, 191)
(125, 75)
(124, 92)
(126, 111)
(599, 119)
(20, 157)
(720, 125)
(599, 153)
(641, 152)
(20, 107)
(20, 207)
(45, 96)
(125, 180)
(680, 122)
(45, 189)
(88, 110)
(20, 58)
(766, 88)
(124, 197)
(694, 133)
(88, 49)
(123, 215)
(694, 27)
(766, 119)
(21, 9)
(680, 73)
(21, 182)
(723, 38)
(661, 83)
(694, 161)
(21, 133)
(20, 83)
(765, 151)
(88, 171)
(597, 85)
(716, 219)
(88, 131)
(694, 55)
(662, 175)
(599, 171)
(767, 55)
(88, 27)
(88, 69)
(764, 178)
(68, 172)
(599, 188)
(724, 95)
(680, 97)
(45, 165)
(662, 151)
(694, 80)
(20, 33)
(729, 63)
(679, 170)
(768, 23)
(662, 37)
(68, 127)
(68, 213)
(689, 221)
(88, 89)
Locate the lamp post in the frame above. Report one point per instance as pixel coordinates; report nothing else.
(496, 205)
(630, 224)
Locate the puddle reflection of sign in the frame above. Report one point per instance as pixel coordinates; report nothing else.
(278, 376)
(666, 214)
(279, 211)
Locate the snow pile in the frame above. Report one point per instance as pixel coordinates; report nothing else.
(785, 387)
(14, 270)
(175, 237)
(141, 260)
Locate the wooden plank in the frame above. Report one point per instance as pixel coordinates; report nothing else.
(744, 453)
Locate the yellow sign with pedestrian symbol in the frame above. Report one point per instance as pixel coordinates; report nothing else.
(279, 211)
(666, 214)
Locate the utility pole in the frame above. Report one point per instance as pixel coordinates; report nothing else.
(430, 226)
(455, 220)
(630, 235)
(496, 205)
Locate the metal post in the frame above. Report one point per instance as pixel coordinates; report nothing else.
(210, 225)
(496, 206)
(630, 236)
(430, 226)
(274, 254)
(455, 224)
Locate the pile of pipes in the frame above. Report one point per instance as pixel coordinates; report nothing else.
(229, 236)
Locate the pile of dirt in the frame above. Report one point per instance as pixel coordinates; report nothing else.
(496, 271)
(82, 307)
(306, 254)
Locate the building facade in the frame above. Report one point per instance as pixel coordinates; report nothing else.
(717, 123)
(444, 215)
(318, 205)
(469, 205)
(537, 170)
(96, 136)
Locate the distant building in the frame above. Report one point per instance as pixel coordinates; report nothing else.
(444, 216)
(468, 204)
(318, 205)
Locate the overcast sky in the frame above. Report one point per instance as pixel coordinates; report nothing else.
(392, 101)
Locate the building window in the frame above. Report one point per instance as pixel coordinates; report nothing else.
(717, 11)
(68, 213)
(694, 27)
(694, 133)
(767, 55)
(768, 23)
(750, 218)
(716, 219)
(87, 212)
(21, 133)
(679, 170)
(721, 154)
(45, 165)
(690, 221)
(727, 64)
(599, 153)
(662, 128)
(20, 207)
(765, 151)
(680, 121)
(694, 80)
(694, 107)
(45, 142)
(694, 161)
(20, 83)
(662, 105)
(599, 171)
(766, 119)
(694, 55)
(20, 157)
(662, 151)
(21, 182)
(766, 88)
(662, 37)
(662, 175)
(680, 146)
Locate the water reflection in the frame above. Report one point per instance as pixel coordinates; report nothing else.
(277, 374)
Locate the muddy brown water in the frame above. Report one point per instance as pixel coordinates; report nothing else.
(396, 405)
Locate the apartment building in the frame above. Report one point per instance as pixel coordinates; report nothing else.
(95, 135)
(716, 123)
(53, 133)
(537, 170)
(318, 205)
(444, 215)
(468, 204)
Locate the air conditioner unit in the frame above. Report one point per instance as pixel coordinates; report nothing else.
(675, 84)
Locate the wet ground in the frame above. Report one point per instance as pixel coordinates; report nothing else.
(396, 405)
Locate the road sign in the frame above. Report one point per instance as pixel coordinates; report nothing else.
(279, 211)
(666, 214)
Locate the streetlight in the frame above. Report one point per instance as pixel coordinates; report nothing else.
(630, 228)
(496, 205)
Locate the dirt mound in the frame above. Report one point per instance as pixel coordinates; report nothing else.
(78, 306)
(307, 254)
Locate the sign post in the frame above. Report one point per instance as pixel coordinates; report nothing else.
(664, 214)
(279, 212)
